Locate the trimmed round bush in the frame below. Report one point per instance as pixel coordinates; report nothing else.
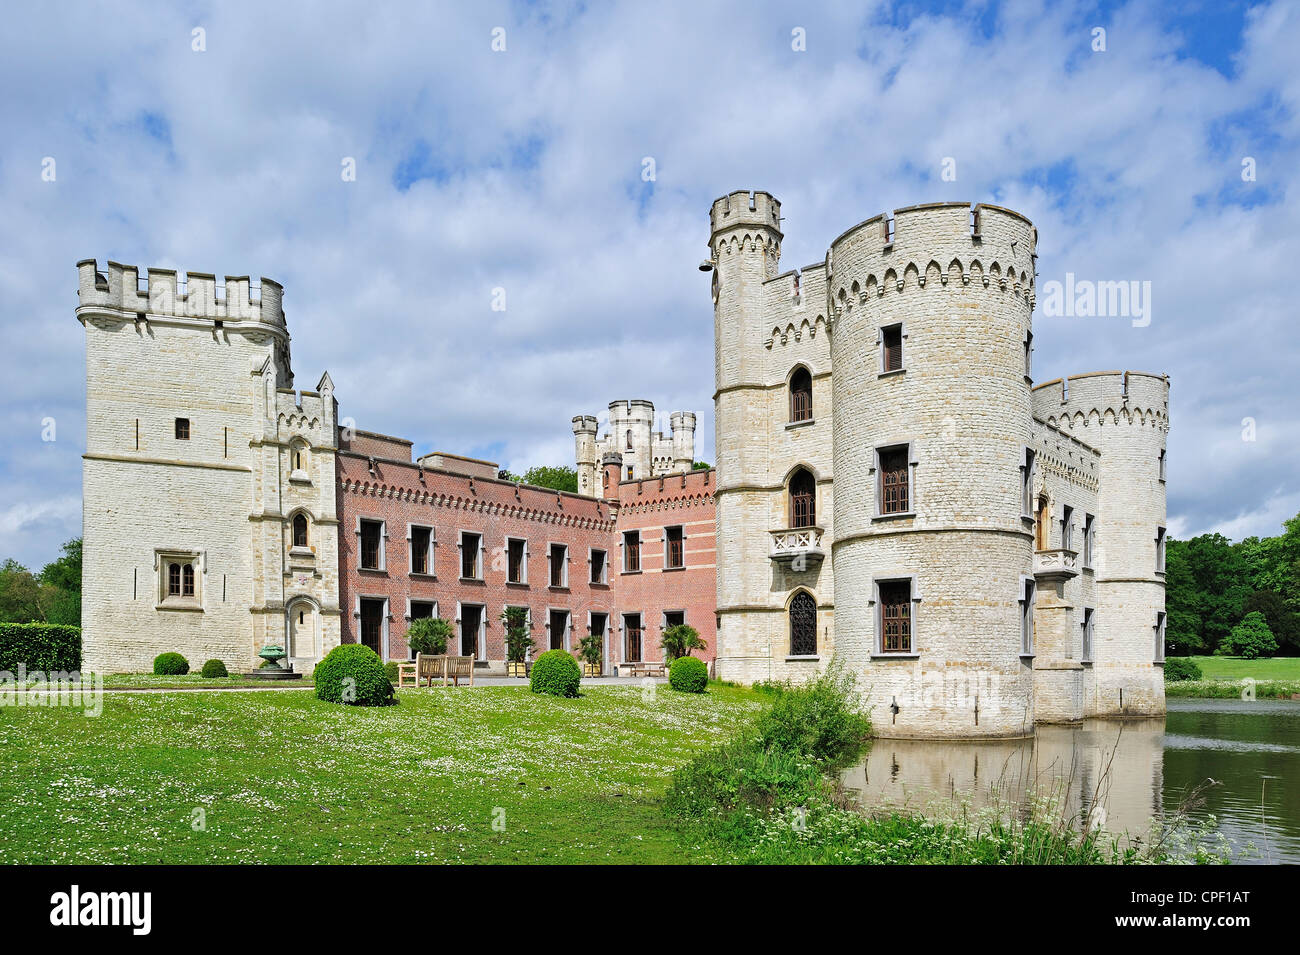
(1181, 668)
(557, 673)
(688, 675)
(214, 668)
(354, 675)
(170, 664)
(391, 671)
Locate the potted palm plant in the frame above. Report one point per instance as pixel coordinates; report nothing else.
(590, 649)
(518, 640)
(680, 640)
(428, 635)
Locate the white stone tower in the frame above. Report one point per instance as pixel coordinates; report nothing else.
(643, 452)
(932, 550)
(1125, 415)
(584, 439)
(199, 459)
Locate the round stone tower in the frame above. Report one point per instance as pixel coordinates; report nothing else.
(683, 428)
(745, 248)
(1124, 415)
(932, 551)
(584, 441)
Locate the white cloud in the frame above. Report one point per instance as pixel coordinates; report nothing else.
(1127, 161)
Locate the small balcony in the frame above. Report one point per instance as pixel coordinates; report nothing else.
(797, 547)
(1056, 564)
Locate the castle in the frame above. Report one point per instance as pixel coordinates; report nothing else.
(997, 549)
(982, 553)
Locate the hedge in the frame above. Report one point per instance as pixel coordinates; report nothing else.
(555, 672)
(688, 675)
(353, 674)
(47, 647)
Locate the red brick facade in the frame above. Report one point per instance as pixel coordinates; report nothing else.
(482, 532)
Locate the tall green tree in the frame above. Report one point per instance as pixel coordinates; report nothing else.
(1205, 590)
(64, 576)
(23, 598)
(557, 478)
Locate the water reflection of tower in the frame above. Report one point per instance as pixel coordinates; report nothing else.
(1115, 764)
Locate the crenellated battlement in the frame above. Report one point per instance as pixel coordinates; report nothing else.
(166, 293)
(744, 208)
(1105, 397)
(933, 245)
(585, 424)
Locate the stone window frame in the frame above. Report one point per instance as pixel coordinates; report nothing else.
(1162, 535)
(791, 656)
(480, 638)
(299, 454)
(623, 631)
(1162, 465)
(196, 561)
(182, 425)
(1088, 627)
(550, 567)
(479, 558)
(385, 617)
(382, 566)
(1028, 471)
(878, 623)
(1089, 539)
(627, 550)
(791, 420)
(682, 565)
(431, 571)
(882, 370)
(567, 640)
(523, 561)
(433, 604)
(1067, 527)
(1026, 600)
(878, 478)
(604, 566)
(305, 549)
(1162, 621)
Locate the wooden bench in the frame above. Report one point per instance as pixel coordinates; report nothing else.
(428, 666)
(407, 670)
(645, 668)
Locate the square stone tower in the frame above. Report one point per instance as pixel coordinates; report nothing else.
(208, 484)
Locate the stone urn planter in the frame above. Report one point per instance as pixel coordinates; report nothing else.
(273, 654)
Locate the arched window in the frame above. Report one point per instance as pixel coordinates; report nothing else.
(174, 580)
(300, 530)
(187, 580)
(803, 625)
(801, 395)
(803, 499)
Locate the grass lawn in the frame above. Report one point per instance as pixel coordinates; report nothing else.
(286, 778)
(1236, 668)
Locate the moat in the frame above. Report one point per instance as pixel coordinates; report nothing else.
(1134, 770)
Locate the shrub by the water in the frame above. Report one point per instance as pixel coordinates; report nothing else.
(557, 673)
(1181, 668)
(688, 674)
(170, 664)
(213, 669)
(819, 720)
(353, 674)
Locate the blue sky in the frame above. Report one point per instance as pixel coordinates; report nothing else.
(522, 170)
